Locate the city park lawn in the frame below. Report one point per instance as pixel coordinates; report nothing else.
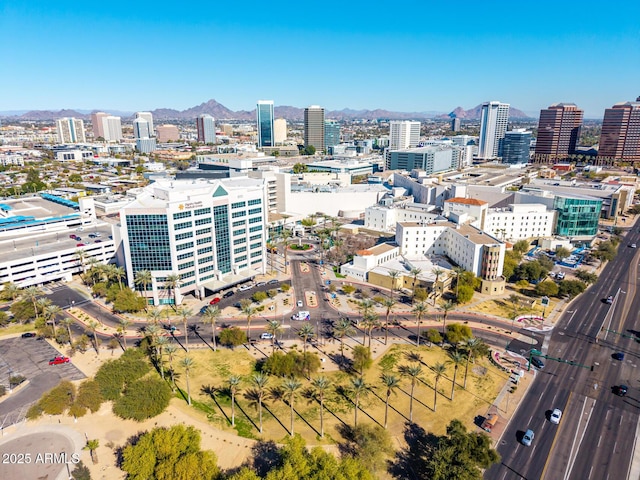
(208, 381)
(501, 307)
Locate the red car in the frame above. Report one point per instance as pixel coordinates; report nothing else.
(80, 245)
(214, 301)
(59, 360)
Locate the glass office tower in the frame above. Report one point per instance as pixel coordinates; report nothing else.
(264, 111)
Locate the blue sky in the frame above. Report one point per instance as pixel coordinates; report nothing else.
(400, 56)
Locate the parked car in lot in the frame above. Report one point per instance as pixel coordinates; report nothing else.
(618, 356)
(79, 244)
(204, 309)
(228, 294)
(244, 288)
(620, 390)
(527, 438)
(266, 336)
(214, 301)
(273, 282)
(261, 284)
(59, 360)
(28, 335)
(556, 415)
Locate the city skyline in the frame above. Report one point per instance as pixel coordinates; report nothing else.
(546, 64)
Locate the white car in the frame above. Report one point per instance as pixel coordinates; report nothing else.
(244, 288)
(633, 245)
(266, 336)
(300, 304)
(556, 415)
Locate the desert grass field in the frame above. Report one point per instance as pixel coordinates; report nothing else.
(208, 380)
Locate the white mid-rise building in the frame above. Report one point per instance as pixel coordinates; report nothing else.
(112, 128)
(148, 116)
(209, 233)
(520, 221)
(70, 130)
(403, 134)
(279, 131)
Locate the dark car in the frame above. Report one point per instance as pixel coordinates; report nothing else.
(620, 390)
(204, 309)
(536, 362)
(228, 294)
(273, 282)
(59, 360)
(28, 335)
(618, 356)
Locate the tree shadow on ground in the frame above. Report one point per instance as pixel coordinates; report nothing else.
(411, 462)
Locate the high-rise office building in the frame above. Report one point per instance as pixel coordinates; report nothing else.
(279, 130)
(331, 133)
(112, 128)
(70, 130)
(141, 128)
(516, 146)
(314, 127)
(558, 132)
(96, 124)
(264, 112)
(455, 124)
(148, 116)
(206, 126)
(620, 135)
(493, 126)
(211, 233)
(403, 134)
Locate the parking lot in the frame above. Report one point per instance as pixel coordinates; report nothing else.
(29, 357)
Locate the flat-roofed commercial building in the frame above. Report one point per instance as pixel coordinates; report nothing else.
(210, 234)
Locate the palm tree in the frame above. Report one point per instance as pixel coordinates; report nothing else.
(170, 349)
(154, 315)
(92, 325)
(413, 371)
(249, 312)
(437, 272)
(51, 312)
(187, 363)
(274, 327)
(473, 347)
(185, 313)
(118, 273)
(358, 388)
(172, 283)
(458, 271)
(414, 273)
(388, 303)
(124, 324)
(271, 247)
(234, 386)
(260, 381)
(160, 344)
(456, 358)
(211, 315)
(341, 329)
(286, 235)
(92, 446)
(438, 369)
(81, 256)
(143, 279)
(32, 294)
(393, 274)
(291, 387)
(369, 323)
(391, 382)
(420, 310)
(320, 385)
(306, 333)
(11, 290)
(67, 322)
(446, 308)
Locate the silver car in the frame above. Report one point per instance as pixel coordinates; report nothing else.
(528, 438)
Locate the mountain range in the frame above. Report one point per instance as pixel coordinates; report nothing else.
(220, 112)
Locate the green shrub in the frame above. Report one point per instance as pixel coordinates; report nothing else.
(115, 374)
(143, 399)
(57, 400)
(89, 395)
(232, 337)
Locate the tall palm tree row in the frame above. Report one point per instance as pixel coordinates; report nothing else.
(391, 383)
(388, 303)
(234, 387)
(185, 313)
(321, 385)
(211, 316)
(419, 310)
(187, 364)
(274, 327)
(414, 372)
(439, 369)
(260, 381)
(291, 387)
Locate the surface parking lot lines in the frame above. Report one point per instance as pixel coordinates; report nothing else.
(30, 357)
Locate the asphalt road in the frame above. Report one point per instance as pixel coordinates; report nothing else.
(596, 436)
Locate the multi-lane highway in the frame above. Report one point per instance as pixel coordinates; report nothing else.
(596, 437)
